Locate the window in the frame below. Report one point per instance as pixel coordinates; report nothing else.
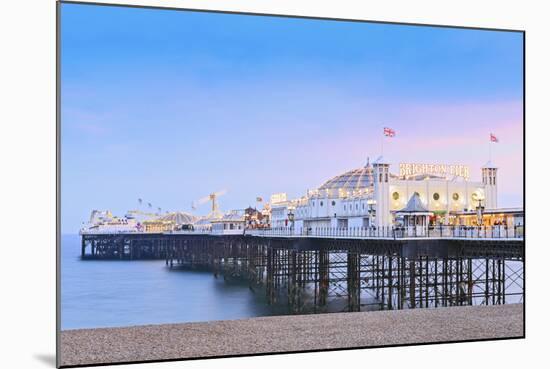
(333, 203)
(363, 206)
(395, 196)
(344, 207)
(455, 196)
(436, 196)
(321, 203)
(356, 206)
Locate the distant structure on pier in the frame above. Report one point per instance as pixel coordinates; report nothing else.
(138, 221)
(371, 196)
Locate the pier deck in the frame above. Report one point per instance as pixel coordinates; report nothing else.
(290, 333)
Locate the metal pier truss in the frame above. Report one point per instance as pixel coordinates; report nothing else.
(327, 274)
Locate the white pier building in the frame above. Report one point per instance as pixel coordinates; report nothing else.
(376, 196)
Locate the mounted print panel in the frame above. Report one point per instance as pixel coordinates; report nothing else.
(240, 184)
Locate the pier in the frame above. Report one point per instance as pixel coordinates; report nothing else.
(309, 271)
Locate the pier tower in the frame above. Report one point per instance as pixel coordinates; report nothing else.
(489, 179)
(381, 174)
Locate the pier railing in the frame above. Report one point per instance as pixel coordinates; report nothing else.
(390, 232)
(439, 231)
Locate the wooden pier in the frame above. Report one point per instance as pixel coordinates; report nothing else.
(308, 274)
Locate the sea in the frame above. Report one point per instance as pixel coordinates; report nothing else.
(114, 293)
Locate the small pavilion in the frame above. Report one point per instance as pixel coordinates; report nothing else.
(416, 217)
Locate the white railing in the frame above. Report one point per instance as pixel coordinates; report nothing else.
(441, 231)
(487, 232)
(110, 231)
(192, 231)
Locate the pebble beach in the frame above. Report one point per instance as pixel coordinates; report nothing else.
(289, 333)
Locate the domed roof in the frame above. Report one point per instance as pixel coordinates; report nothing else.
(356, 179)
(179, 218)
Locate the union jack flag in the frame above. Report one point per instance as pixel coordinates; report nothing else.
(493, 138)
(388, 132)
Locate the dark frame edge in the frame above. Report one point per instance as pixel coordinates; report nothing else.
(524, 33)
(58, 183)
(77, 2)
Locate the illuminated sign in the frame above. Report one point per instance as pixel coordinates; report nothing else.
(278, 197)
(444, 170)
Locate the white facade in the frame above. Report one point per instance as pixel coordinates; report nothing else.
(372, 195)
(489, 178)
(381, 194)
(282, 210)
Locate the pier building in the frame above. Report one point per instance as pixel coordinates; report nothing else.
(376, 196)
(281, 210)
(232, 222)
(137, 221)
(510, 217)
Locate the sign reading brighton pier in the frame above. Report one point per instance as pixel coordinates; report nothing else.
(412, 169)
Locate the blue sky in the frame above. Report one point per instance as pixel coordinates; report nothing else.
(171, 105)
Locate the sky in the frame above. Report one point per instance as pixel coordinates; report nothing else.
(168, 106)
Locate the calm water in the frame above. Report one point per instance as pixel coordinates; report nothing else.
(122, 293)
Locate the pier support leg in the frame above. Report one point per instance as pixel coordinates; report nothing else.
(323, 276)
(390, 282)
(83, 248)
(412, 288)
(269, 276)
(353, 280)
